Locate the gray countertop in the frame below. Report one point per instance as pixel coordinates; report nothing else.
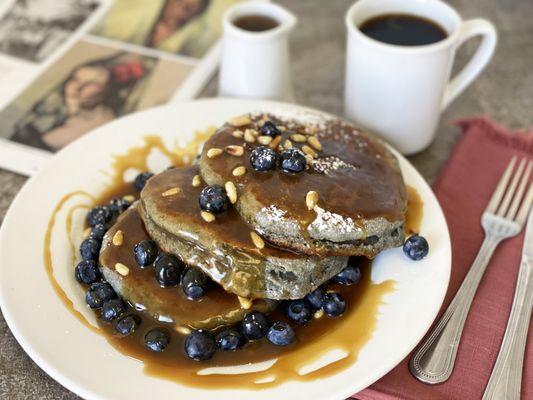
(504, 92)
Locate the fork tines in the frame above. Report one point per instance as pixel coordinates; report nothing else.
(507, 198)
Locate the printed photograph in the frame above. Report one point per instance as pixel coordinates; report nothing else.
(90, 85)
(186, 27)
(34, 29)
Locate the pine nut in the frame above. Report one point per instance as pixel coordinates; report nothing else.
(207, 216)
(122, 269)
(234, 150)
(171, 192)
(231, 191)
(118, 238)
(239, 171)
(313, 141)
(258, 240)
(311, 199)
(214, 152)
(196, 181)
(240, 121)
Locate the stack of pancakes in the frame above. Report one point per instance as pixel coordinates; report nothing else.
(284, 234)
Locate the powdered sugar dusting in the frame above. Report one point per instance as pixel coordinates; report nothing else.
(274, 213)
(327, 165)
(327, 221)
(293, 118)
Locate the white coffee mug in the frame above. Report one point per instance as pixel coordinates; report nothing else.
(398, 92)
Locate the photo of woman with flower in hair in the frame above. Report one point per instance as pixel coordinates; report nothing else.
(87, 95)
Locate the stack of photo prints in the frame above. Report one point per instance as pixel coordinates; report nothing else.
(69, 66)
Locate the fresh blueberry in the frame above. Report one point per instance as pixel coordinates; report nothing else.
(87, 272)
(141, 179)
(230, 340)
(254, 325)
(99, 293)
(98, 232)
(157, 339)
(270, 129)
(333, 304)
(99, 215)
(214, 199)
(299, 311)
(281, 334)
(118, 205)
(416, 247)
(112, 309)
(168, 270)
(145, 252)
(348, 276)
(315, 298)
(194, 283)
(127, 325)
(200, 345)
(292, 160)
(263, 158)
(90, 249)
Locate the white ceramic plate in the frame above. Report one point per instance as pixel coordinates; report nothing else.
(84, 362)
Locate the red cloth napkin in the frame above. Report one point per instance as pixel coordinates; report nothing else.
(463, 189)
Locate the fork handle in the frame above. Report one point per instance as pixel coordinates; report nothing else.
(433, 362)
(506, 377)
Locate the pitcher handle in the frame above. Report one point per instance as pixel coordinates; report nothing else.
(480, 59)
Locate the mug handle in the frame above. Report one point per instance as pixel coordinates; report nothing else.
(480, 59)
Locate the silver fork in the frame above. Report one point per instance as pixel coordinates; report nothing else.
(503, 218)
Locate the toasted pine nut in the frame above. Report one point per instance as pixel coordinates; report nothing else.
(298, 137)
(129, 197)
(313, 141)
(249, 136)
(239, 171)
(196, 181)
(264, 140)
(214, 152)
(207, 216)
(237, 134)
(275, 142)
(287, 144)
(258, 240)
(240, 120)
(171, 192)
(122, 269)
(235, 150)
(118, 238)
(308, 150)
(311, 199)
(231, 191)
(245, 302)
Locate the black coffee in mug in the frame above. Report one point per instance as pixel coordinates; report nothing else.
(255, 23)
(403, 30)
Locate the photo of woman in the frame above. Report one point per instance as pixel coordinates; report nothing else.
(79, 95)
(187, 27)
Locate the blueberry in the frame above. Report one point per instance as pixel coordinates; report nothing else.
(254, 325)
(292, 160)
(200, 345)
(99, 293)
(118, 205)
(112, 309)
(281, 334)
(230, 340)
(315, 298)
(157, 339)
(263, 158)
(87, 272)
(416, 247)
(145, 252)
(194, 283)
(214, 199)
(127, 325)
(299, 311)
(99, 215)
(270, 129)
(168, 270)
(141, 179)
(333, 304)
(90, 249)
(348, 276)
(98, 232)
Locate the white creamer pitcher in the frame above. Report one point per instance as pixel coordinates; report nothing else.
(256, 64)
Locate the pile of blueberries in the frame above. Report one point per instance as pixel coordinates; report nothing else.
(201, 345)
(264, 158)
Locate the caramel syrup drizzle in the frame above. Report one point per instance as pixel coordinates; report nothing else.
(347, 334)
